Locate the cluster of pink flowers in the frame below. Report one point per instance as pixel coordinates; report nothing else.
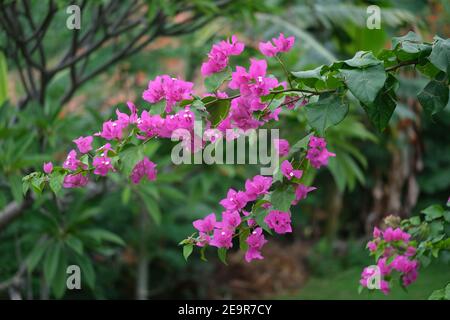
(102, 162)
(220, 233)
(219, 55)
(317, 152)
(171, 89)
(280, 44)
(397, 254)
(249, 109)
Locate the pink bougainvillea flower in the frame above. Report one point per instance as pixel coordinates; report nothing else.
(156, 90)
(255, 242)
(279, 221)
(235, 200)
(282, 147)
(268, 49)
(102, 165)
(222, 238)
(230, 219)
(48, 167)
(219, 55)
(317, 153)
(257, 187)
(301, 192)
(410, 251)
(255, 81)
(71, 162)
(396, 234)
(377, 233)
(75, 180)
(172, 89)
(125, 119)
(144, 168)
(372, 246)
(280, 44)
(206, 224)
(289, 172)
(84, 144)
(241, 115)
(111, 130)
(203, 239)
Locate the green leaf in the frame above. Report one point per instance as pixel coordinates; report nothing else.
(410, 36)
(56, 181)
(130, 157)
(218, 110)
(309, 77)
(152, 208)
(437, 295)
(282, 198)
(410, 47)
(328, 111)
(202, 254)
(51, 262)
(260, 213)
(74, 243)
(440, 54)
(87, 270)
(100, 235)
(243, 235)
(187, 250)
(15, 183)
(415, 221)
(59, 284)
(381, 110)
(36, 255)
(222, 253)
(365, 83)
(214, 81)
(447, 292)
(433, 212)
(434, 97)
(301, 144)
(363, 59)
(3, 79)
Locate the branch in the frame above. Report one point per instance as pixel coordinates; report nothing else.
(12, 211)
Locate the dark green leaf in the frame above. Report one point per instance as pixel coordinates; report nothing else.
(36, 255)
(218, 110)
(74, 243)
(363, 59)
(440, 55)
(434, 97)
(433, 212)
(59, 283)
(365, 83)
(328, 111)
(381, 110)
(222, 253)
(51, 262)
(282, 198)
(130, 157)
(87, 270)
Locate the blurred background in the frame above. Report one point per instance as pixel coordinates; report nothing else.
(57, 84)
